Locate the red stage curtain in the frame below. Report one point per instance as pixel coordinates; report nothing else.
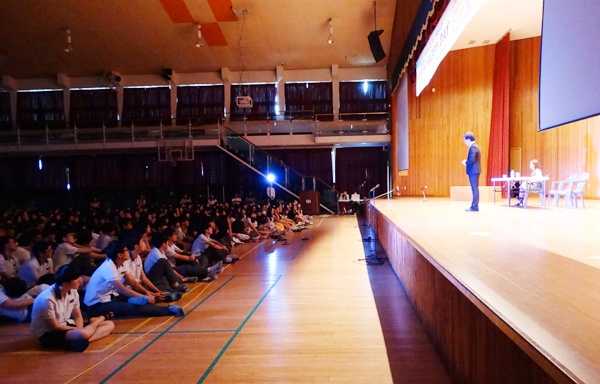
(498, 150)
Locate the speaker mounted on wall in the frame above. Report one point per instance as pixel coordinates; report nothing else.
(375, 44)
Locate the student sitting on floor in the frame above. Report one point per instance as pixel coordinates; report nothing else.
(136, 279)
(38, 269)
(106, 292)
(14, 308)
(56, 319)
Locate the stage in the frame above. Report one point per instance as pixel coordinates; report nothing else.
(490, 284)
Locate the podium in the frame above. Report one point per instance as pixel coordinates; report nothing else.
(309, 201)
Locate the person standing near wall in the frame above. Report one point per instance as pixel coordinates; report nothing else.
(473, 168)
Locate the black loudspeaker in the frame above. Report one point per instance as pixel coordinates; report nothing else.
(375, 44)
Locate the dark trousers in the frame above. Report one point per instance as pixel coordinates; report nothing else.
(121, 308)
(162, 275)
(215, 255)
(474, 181)
(191, 269)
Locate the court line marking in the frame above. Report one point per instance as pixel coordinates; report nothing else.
(237, 331)
(117, 370)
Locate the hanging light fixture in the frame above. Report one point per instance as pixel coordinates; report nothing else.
(199, 41)
(69, 46)
(330, 38)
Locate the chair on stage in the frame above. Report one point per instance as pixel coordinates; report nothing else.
(562, 188)
(578, 186)
(535, 187)
(355, 197)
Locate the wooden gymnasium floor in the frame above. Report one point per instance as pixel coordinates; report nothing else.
(537, 269)
(309, 311)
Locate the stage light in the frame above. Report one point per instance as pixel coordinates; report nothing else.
(200, 39)
(69, 46)
(40, 164)
(68, 179)
(330, 39)
(270, 177)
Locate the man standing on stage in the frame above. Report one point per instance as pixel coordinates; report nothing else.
(473, 168)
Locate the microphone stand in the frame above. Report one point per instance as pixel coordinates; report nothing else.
(373, 257)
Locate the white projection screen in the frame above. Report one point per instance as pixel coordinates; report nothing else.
(569, 62)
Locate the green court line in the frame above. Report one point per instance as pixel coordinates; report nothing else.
(232, 338)
(162, 334)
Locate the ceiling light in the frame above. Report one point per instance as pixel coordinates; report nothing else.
(69, 46)
(330, 38)
(200, 40)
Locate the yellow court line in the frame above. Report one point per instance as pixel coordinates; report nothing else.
(119, 349)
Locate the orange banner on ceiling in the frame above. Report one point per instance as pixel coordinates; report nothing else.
(178, 11)
(213, 35)
(222, 9)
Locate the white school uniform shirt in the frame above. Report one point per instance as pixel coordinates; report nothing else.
(64, 254)
(100, 287)
(170, 253)
(199, 245)
(31, 271)
(47, 305)
(9, 265)
(17, 314)
(134, 267)
(154, 255)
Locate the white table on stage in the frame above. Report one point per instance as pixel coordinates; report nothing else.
(511, 180)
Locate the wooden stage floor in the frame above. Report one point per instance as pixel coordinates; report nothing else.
(538, 270)
(304, 312)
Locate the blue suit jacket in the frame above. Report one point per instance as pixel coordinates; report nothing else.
(474, 160)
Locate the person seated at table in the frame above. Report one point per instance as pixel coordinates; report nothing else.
(536, 172)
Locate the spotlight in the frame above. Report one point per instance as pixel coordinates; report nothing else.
(270, 177)
(69, 46)
(113, 77)
(68, 179)
(330, 38)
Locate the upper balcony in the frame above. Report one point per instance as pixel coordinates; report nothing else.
(300, 128)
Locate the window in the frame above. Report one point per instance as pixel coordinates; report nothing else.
(263, 101)
(359, 98)
(5, 115)
(200, 104)
(146, 106)
(94, 108)
(305, 100)
(36, 110)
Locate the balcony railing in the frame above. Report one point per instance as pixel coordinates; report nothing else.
(197, 127)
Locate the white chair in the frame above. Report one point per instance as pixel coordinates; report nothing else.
(562, 188)
(534, 187)
(355, 197)
(578, 186)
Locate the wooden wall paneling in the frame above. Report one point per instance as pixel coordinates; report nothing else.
(437, 120)
(592, 165)
(461, 102)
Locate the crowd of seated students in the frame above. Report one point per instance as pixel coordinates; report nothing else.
(71, 272)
